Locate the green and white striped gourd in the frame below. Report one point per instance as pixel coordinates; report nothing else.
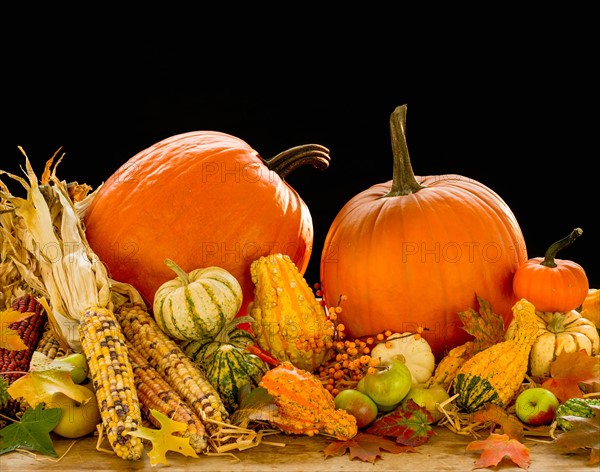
(197, 304)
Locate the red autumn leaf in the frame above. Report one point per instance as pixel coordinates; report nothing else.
(408, 424)
(498, 447)
(485, 326)
(365, 447)
(568, 371)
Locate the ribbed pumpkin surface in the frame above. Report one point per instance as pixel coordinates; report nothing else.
(419, 259)
(414, 251)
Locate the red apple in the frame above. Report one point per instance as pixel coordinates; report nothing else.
(358, 405)
(536, 406)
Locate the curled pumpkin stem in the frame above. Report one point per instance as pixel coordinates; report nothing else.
(286, 161)
(559, 245)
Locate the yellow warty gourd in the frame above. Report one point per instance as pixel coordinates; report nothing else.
(495, 374)
(289, 322)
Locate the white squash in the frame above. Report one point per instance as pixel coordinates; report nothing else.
(196, 305)
(557, 333)
(417, 354)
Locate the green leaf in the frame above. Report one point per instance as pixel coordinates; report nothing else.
(32, 432)
(255, 404)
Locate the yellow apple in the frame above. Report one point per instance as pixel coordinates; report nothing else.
(77, 419)
(428, 396)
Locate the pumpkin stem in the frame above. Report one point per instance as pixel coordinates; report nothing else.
(223, 335)
(403, 181)
(286, 161)
(182, 274)
(556, 324)
(558, 245)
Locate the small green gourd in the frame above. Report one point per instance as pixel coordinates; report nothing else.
(575, 407)
(228, 365)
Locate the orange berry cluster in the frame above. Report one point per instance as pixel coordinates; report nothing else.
(316, 341)
(350, 359)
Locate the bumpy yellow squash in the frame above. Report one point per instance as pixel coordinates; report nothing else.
(495, 374)
(289, 322)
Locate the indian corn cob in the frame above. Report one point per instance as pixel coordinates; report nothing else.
(167, 357)
(103, 344)
(14, 364)
(49, 346)
(155, 393)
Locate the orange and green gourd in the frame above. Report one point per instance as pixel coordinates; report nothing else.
(495, 374)
(304, 406)
(289, 322)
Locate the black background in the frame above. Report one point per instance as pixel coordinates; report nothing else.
(521, 117)
(537, 156)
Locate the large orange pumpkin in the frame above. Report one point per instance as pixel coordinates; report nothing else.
(414, 251)
(202, 198)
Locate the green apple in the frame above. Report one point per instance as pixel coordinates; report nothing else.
(75, 363)
(76, 419)
(536, 406)
(428, 396)
(358, 405)
(388, 386)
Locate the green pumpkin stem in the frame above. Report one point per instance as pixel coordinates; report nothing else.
(286, 161)
(223, 335)
(182, 274)
(403, 181)
(556, 324)
(559, 245)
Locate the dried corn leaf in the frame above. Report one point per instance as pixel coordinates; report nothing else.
(46, 230)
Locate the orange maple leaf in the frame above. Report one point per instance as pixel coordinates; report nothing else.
(9, 338)
(365, 447)
(498, 447)
(568, 371)
(512, 427)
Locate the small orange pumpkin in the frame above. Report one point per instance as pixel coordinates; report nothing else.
(551, 284)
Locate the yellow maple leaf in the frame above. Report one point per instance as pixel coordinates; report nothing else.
(9, 338)
(39, 387)
(163, 439)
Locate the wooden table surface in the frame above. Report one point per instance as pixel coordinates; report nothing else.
(444, 451)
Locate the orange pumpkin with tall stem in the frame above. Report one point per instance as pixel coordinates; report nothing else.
(414, 251)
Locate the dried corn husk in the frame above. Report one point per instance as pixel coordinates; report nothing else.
(46, 249)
